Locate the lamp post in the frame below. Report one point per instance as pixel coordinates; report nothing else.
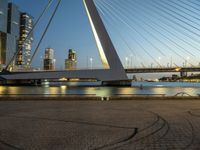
(126, 63)
(171, 61)
(151, 65)
(167, 65)
(41, 63)
(54, 64)
(91, 63)
(131, 65)
(186, 61)
(159, 58)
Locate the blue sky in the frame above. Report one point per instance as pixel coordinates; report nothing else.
(147, 32)
(69, 29)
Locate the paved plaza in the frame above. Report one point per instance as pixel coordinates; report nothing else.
(100, 125)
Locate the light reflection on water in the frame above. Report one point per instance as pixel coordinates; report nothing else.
(148, 88)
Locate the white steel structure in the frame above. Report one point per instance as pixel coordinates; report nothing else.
(113, 69)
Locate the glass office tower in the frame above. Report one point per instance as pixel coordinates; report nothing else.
(26, 39)
(49, 61)
(3, 31)
(71, 61)
(13, 24)
(3, 15)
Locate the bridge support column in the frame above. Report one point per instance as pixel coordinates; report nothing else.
(117, 83)
(183, 74)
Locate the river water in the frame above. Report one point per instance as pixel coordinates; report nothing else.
(85, 88)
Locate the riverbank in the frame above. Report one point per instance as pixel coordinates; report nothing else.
(93, 98)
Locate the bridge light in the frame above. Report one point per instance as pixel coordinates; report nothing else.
(178, 69)
(63, 79)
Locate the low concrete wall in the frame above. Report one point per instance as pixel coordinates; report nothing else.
(97, 98)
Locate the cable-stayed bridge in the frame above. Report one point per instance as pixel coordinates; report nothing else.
(160, 28)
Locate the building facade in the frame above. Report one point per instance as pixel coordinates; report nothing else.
(13, 20)
(3, 30)
(3, 39)
(3, 15)
(9, 31)
(14, 30)
(71, 61)
(25, 40)
(13, 25)
(49, 61)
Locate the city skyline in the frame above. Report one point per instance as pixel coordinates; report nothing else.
(68, 31)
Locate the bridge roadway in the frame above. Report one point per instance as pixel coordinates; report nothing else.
(163, 70)
(88, 74)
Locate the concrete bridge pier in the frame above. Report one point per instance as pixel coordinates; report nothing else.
(183, 74)
(117, 83)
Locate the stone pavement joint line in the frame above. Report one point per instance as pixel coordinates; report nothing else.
(98, 125)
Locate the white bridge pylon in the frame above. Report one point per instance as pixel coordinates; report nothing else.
(113, 68)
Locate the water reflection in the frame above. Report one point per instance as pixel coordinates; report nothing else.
(63, 89)
(168, 89)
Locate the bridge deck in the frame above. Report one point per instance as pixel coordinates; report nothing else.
(162, 70)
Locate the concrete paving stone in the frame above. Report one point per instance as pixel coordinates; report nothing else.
(97, 125)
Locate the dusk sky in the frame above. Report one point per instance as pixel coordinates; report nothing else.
(147, 32)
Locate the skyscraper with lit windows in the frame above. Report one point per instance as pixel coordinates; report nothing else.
(71, 61)
(14, 29)
(49, 61)
(26, 39)
(3, 31)
(9, 31)
(13, 25)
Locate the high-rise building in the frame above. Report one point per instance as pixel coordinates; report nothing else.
(3, 15)
(14, 29)
(71, 61)
(13, 24)
(49, 61)
(26, 39)
(9, 31)
(3, 38)
(13, 20)
(3, 30)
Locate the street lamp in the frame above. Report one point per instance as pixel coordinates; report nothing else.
(126, 64)
(151, 65)
(131, 65)
(41, 62)
(91, 61)
(186, 61)
(171, 61)
(159, 58)
(54, 64)
(167, 65)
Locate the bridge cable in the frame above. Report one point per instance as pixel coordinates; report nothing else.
(169, 25)
(135, 40)
(147, 24)
(119, 32)
(155, 29)
(178, 4)
(168, 31)
(154, 37)
(138, 43)
(30, 32)
(132, 28)
(186, 23)
(183, 2)
(181, 56)
(194, 3)
(163, 5)
(45, 31)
